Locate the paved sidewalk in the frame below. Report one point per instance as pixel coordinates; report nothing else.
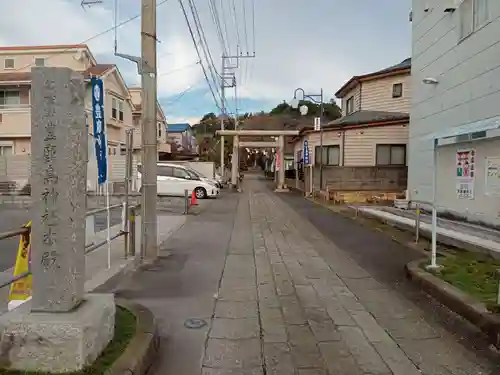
(281, 308)
(250, 266)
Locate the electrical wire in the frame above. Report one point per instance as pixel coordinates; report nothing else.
(225, 25)
(203, 40)
(215, 18)
(179, 69)
(199, 56)
(95, 36)
(235, 19)
(245, 23)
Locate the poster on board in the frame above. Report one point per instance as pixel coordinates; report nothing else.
(465, 173)
(492, 176)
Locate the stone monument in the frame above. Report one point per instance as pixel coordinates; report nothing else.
(63, 330)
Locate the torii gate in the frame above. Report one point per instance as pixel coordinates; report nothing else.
(280, 145)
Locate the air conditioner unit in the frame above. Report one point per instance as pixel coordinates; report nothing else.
(452, 5)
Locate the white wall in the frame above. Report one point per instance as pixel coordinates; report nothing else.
(468, 72)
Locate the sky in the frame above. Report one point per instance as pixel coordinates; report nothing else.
(314, 45)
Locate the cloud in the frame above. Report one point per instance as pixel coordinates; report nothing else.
(312, 45)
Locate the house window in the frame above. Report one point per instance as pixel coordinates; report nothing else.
(117, 109)
(5, 150)
(8, 64)
(39, 61)
(397, 90)
(391, 155)
(9, 98)
(331, 155)
(474, 14)
(350, 105)
(159, 129)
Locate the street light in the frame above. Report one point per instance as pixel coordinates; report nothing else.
(303, 111)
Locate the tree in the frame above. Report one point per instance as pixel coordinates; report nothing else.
(331, 110)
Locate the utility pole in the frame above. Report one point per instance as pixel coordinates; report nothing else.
(225, 85)
(149, 245)
(223, 109)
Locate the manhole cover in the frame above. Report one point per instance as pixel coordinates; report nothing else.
(195, 323)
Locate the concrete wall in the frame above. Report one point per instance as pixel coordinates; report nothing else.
(468, 72)
(386, 179)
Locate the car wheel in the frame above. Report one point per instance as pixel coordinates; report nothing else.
(200, 193)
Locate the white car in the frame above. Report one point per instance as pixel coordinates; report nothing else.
(204, 178)
(173, 180)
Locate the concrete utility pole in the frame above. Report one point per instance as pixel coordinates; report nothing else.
(149, 245)
(224, 85)
(223, 110)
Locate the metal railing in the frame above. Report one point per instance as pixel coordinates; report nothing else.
(127, 230)
(418, 203)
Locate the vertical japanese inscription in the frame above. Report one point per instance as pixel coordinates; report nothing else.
(59, 166)
(50, 193)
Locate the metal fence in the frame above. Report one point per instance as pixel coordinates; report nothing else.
(15, 172)
(125, 227)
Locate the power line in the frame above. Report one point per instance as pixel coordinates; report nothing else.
(198, 53)
(216, 19)
(203, 40)
(179, 69)
(235, 19)
(104, 32)
(225, 25)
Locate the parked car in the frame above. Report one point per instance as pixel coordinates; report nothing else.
(174, 179)
(210, 180)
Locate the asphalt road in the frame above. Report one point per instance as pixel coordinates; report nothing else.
(385, 259)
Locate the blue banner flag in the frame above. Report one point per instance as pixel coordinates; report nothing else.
(101, 147)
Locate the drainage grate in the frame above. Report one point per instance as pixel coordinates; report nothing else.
(195, 323)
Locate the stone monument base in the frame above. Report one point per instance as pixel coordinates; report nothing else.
(57, 342)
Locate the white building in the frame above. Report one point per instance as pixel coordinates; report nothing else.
(456, 105)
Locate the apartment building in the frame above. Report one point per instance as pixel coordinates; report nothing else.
(455, 112)
(366, 148)
(164, 147)
(15, 88)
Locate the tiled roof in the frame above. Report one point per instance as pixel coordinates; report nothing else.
(178, 128)
(29, 48)
(368, 117)
(98, 70)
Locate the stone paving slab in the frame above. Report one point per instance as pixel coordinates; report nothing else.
(283, 309)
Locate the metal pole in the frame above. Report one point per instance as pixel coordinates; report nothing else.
(128, 170)
(186, 201)
(321, 142)
(417, 223)
(131, 237)
(434, 209)
(149, 146)
(223, 110)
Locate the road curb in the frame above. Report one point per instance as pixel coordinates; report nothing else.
(142, 350)
(456, 300)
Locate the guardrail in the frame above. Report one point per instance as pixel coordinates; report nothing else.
(127, 230)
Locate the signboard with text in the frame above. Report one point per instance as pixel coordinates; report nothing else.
(101, 147)
(306, 152)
